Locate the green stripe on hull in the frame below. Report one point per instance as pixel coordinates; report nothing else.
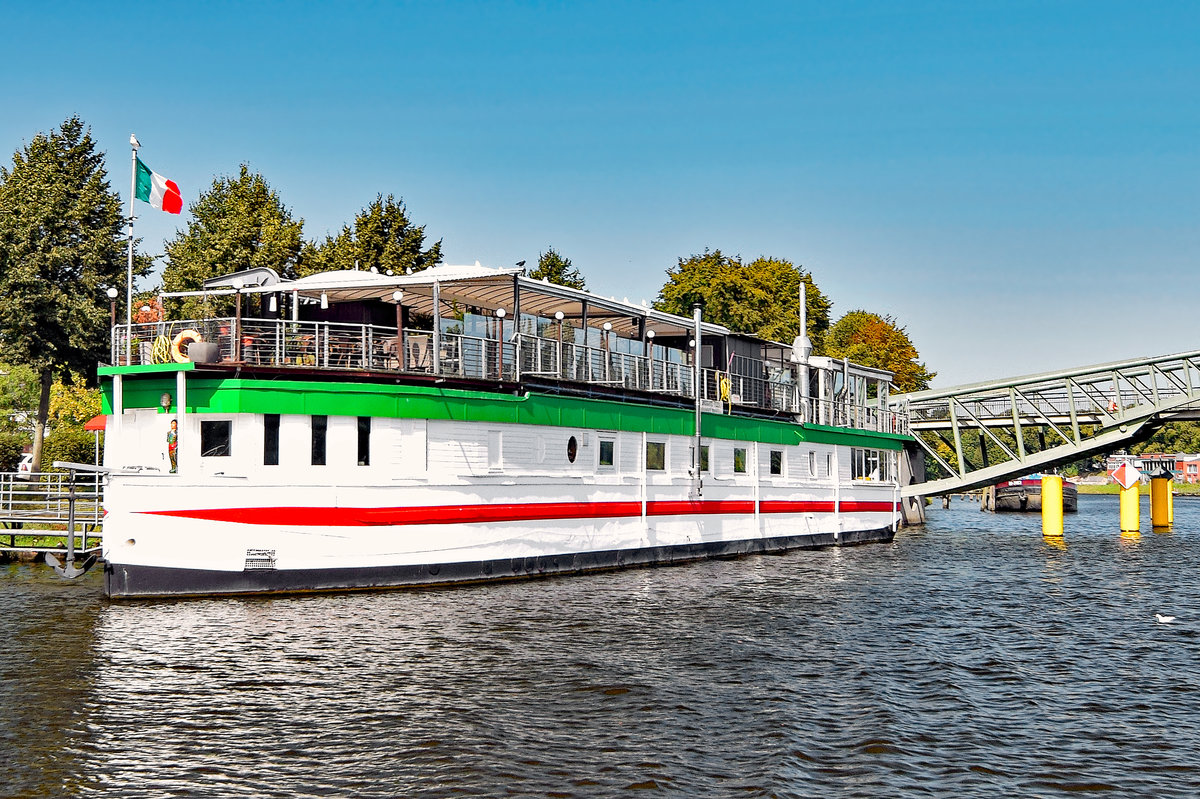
(237, 395)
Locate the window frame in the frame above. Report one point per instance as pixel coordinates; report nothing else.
(210, 424)
(318, 426)
(661, 447)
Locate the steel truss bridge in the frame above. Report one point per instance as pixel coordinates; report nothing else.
(983, 433)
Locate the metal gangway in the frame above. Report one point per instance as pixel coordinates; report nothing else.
(984, 433)
(45, 505)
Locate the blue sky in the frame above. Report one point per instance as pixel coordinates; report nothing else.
(1016, 182)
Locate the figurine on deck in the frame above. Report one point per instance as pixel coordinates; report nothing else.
(173, 445)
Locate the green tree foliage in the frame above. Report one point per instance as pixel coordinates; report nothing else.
(72, 405)
(1171, 438)
(18, 410)
(873, 340)
(239, 223)
(557, 269)
(382, 238)
(61, 244)
(759, 298)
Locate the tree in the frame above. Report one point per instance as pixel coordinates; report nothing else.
(383, 238)
(759, 298)
(554, 267)
(61, 243)
(873, 340)
(240, 223)
(1173, 437)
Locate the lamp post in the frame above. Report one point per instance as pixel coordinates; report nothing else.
(558, 317)
(500, 313)
(650, 358)
(112, 320)
(607, 352)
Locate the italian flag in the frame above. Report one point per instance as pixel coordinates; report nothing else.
(161, 193)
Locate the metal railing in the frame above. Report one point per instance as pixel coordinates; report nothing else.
(37, 505)
(338, 345)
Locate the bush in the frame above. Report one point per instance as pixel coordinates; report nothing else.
(68, 444)
(11, 447)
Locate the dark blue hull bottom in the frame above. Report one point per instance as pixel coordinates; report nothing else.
(125, 581)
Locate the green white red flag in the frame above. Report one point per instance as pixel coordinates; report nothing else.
(161, 193)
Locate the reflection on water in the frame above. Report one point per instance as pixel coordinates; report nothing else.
(971, 658)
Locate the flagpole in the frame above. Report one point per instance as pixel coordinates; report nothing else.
(133, 143)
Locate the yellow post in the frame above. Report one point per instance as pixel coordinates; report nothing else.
(1171, 502)
(1052, 506)
(1131, 520)
(1160, 500)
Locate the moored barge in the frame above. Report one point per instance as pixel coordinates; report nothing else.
(353, 430)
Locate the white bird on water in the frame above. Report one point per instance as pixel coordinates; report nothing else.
(1161, 619)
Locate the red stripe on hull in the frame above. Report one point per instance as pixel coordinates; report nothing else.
(535, 511)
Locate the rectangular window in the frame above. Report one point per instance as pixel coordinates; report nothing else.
(320, 424)
(271, 439)
(864, 464)
(829, 464)
(656, 456)
(812, 464)
(607, 451)
(215, 438)
(364, 441)
(776, 461)
(704, 457)
(739, 460)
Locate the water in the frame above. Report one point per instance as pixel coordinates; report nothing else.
(967, 659)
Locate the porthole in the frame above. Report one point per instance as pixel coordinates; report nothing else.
(572, 449)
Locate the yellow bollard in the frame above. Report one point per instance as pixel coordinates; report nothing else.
(1171, 502)
(1052, 506)
(1131, 510)
(1160, 493)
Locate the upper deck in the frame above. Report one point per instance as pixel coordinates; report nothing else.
(478, 324)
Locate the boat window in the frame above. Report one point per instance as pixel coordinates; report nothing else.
(271, 439)
(319, 426)
(364, 441)
(215, 438)
(739, 460)
(776, 461)
(656, 456)
(812, 464)
(572, 448)
(864, 464)
(704, 457)
(829, 464)
(607, 452)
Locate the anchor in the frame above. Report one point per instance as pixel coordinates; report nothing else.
(69, 570)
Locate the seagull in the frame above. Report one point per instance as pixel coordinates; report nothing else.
(1161, 619)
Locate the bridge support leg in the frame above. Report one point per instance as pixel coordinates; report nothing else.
(912, 470)
(1131, 511)
(1160, 500)
(1052, 506)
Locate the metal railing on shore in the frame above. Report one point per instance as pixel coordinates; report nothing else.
(360, 347)
(39, 505)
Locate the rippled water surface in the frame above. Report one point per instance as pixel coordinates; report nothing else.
(969, 658)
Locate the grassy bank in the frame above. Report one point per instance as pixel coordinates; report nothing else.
(1113, 488)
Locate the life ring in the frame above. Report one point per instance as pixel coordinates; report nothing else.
(182, 340)
(723, 388)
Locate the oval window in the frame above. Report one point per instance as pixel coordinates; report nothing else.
(572, 449)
